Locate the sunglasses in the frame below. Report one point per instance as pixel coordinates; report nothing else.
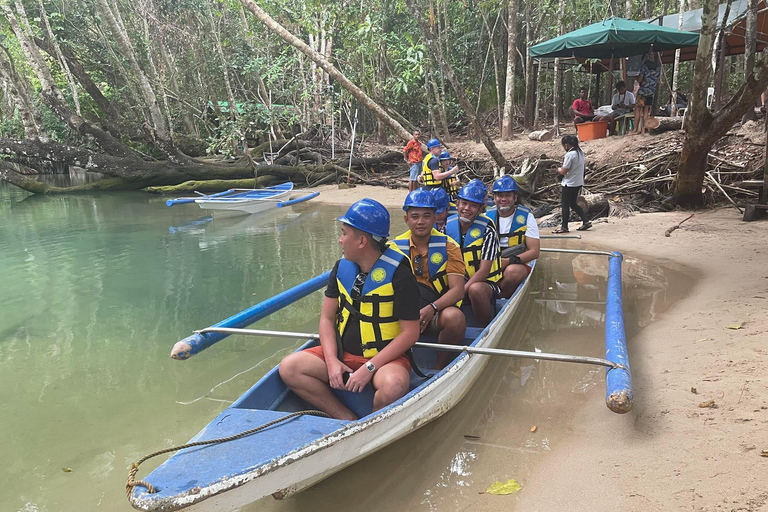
(418, 269)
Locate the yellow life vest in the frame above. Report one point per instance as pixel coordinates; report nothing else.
(374, 309)
(472, 244)
(429, 178)
(517, 230)
(451, 186)
(437, 254)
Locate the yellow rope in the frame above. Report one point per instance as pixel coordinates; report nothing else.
(131, 483)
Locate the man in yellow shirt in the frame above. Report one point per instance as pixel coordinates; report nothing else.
(438, 266)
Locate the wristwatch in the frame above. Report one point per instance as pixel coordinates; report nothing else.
(433, 307)
(370, 367)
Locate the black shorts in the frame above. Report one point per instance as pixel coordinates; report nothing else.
(585, 118)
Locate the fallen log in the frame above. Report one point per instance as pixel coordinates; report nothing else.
(540, 135)
(668, 123)
(592, 202)
(211, 186)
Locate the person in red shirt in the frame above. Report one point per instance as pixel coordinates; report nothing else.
(582, 108)
(412, 154)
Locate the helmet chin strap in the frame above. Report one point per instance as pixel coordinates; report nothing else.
(504, 208)
(464, 219)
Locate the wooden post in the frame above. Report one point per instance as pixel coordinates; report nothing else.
(597, 89)
(532, 94)
(609, 82)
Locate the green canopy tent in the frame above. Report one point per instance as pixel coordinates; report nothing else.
(614, 37)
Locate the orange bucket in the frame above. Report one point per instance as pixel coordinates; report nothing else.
(592, 130)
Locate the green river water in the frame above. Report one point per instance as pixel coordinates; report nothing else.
(96, 289)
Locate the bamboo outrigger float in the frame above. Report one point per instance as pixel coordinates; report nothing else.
(298, 450)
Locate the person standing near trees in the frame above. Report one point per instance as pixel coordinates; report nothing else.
(648, 78)
(430, 167)
(573, 179)
(413, 156)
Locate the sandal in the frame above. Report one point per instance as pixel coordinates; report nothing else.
(560, 231)
(585, 226)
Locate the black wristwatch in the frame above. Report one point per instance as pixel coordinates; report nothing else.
(434, 307)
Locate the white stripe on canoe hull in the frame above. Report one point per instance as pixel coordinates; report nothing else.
(299, 470)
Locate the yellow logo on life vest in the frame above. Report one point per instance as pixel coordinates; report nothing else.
(475, 233)
(436, 258)
(378, 275)
(520, 219)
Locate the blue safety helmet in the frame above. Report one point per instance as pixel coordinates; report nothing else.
(442, 201)
(369, 216)
(419, 198)
(474, 191)
(444, 156)
(433, 143)
(505, 184)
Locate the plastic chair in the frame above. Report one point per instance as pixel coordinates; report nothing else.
(623, 121)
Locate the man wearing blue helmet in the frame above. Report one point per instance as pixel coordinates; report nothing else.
(479, 242)
(431, 176)
(442, 205)
(518, 234)
(437, 263)
(369, 320)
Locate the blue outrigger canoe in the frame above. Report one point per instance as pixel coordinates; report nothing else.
(241, 201)
(295, 454)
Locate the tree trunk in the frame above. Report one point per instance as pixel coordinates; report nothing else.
(233, 113)
(540, 135)
(537, 103)
(327, 66)
(592, 202)
(157, 131)
(50, 92)
(440, 107)
(703, 129)
(556, 99)
(457, 88)
(17, 87)
(668, 123)
(60, 57)
(507, 124)
(111, 115)
(749, 50)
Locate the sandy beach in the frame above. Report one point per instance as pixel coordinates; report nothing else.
(711, 348)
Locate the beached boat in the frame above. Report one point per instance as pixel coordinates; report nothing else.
(298, 453)
(239, 201)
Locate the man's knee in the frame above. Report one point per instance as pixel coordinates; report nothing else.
(514, 273)
(479, 291)
(393, 384)
(453, 320)
(296, 365)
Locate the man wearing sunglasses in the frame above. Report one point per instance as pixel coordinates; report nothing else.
(439, 269)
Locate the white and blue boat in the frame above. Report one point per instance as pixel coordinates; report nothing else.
(294, 454)
(244, 201)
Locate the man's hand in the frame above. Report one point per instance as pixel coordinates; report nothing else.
(359, 379)
(335, 370)
(514, 260)
(425, 316)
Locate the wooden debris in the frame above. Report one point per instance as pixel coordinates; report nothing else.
(668, 232)
(708, 404)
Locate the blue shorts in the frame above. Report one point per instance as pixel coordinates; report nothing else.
(415, 171)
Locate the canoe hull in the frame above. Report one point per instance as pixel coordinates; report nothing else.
(228, 208)
(352, 442)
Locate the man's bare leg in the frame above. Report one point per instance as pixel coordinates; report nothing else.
(307, 376)
(453, 325)
(511, 278)
(391, 382)
(480, 296)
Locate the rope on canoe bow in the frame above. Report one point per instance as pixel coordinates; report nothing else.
(131, 482)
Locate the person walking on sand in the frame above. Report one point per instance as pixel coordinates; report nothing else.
(368, 322)
(573, 179)
(413, 156)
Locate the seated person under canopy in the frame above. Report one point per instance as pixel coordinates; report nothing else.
(479, 242)
(582, 108)
(369, 320)
(438, 265)
(517, 230)
(622, 103)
